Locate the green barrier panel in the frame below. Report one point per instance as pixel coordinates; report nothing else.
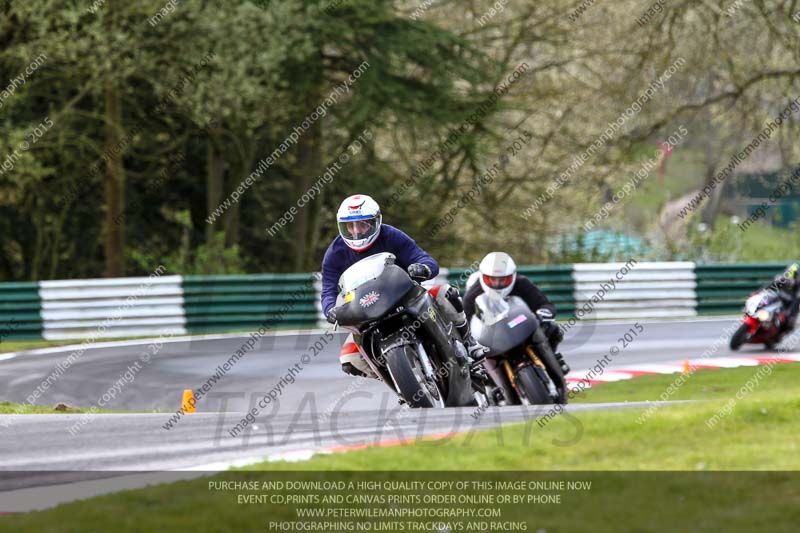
(247, 302)
(20, 311)
(555, 281)
(723, 287)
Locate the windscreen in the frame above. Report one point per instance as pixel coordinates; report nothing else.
(493, 309)
(364, 270)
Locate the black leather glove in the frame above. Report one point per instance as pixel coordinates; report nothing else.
(553, 333)
(348, 368)
(419, 272)
(331, 316)
(551, 330)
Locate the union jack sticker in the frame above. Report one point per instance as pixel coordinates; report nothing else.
(369, 299)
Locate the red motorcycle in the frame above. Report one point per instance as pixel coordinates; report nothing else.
(764, 320)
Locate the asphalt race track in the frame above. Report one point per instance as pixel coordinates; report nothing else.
(322, 409)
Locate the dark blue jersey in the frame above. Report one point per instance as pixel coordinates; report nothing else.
(339, 257)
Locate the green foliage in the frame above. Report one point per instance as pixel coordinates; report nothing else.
(726, 242)
(221, 85)
(596, 247)
(150, 120)
(207, 258)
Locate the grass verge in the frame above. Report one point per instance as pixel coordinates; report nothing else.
(8, 408)
(17, 346)
(704, 384)
(760, 432)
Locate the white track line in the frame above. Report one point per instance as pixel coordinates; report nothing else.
(142, 342)
(674, 367)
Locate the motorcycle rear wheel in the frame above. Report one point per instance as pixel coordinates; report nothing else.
(739, 337)
(406, 372)
(529, 384)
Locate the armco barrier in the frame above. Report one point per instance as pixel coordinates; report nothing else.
(97, 308)
(219, 303)
(557, 283)
(20, 311)
(114, 307)
(635, 289)
(723, 287)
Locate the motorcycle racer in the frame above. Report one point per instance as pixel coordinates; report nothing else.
(788, 287)
(498, 276)
(362, 233)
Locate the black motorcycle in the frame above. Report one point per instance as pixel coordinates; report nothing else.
(408, 344)
(527, 370)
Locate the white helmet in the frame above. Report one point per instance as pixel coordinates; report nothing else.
(498, 274)
(359, 221)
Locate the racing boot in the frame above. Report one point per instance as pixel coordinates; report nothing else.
(475, 350)
(562, 363)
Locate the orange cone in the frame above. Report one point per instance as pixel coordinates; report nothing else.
(187, 403)
(686, 369)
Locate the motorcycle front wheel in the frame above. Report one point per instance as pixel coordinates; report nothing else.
(406, 372)
(739, 337)
(529, 384)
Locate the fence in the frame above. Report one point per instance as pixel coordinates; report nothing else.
(723, 287)
(20, 311)
(638, 290)
(128, 307)
(115, 307)
(219, 303)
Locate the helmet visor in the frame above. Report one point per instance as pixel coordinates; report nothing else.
(498, 282)
(356, 230)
